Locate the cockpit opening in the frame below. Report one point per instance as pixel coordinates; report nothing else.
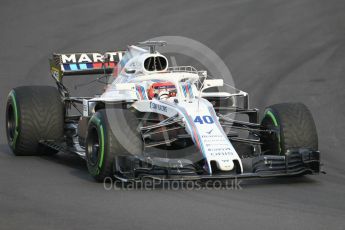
(162, 90)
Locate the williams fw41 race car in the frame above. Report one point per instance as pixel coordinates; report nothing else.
(159, 122)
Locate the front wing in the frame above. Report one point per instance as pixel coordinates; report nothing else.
(296, 162)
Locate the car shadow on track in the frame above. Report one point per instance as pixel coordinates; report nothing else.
(5, 149)
(72, 161)
(293, 180)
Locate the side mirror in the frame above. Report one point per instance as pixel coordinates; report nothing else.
(125, 86)
(209, 83)
(129, 71)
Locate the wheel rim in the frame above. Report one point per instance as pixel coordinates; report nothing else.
(11, 122)
(93, 147)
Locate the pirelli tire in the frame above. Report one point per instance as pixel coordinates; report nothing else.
(294, 125)
(33, 113)
(111, 133)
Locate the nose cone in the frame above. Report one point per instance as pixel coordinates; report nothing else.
(225, 164)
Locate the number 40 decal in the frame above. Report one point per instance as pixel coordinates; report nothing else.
(204, 119)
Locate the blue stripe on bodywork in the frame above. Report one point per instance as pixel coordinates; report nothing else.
(184, 90)
(190, 90)
(66, 67)
(143, 92)
(73, 66)
(83, 66)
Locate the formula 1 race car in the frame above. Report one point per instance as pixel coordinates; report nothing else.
(156, 121)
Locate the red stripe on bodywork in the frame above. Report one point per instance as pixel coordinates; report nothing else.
(97, 65)
(187, 90)
(110, 64)
(140, 92)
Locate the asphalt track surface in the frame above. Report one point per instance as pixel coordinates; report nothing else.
(277, 51)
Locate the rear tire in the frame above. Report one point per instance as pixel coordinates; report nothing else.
(295, 128)
(33, 113)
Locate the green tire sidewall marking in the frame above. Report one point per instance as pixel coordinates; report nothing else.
(98, 123)
(276, 124)
(12, 95)
(271, 115)
(102, 149)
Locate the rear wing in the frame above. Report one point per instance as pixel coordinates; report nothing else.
(83, 63)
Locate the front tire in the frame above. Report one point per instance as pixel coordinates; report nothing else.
(294, 125)
(111, 133)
